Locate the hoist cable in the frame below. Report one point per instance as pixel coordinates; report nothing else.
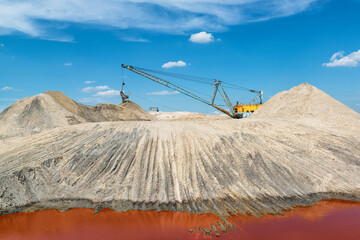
(203, 80)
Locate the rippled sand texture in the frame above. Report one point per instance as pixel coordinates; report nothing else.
(263, 164)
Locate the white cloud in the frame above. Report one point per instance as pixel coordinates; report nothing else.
(48, 18)
(163, 93)
(2, 45)
(336, 55)
(109, 93)
(95, 89)
(67, 64)
(89, 82)
(99, 91)
(134, 39)
(67, 39)
(8, 89)
(339, 60)
(201, 37)
(174, 64)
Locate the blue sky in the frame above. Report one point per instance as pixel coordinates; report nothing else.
(78, 46)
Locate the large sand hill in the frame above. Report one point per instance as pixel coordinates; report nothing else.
(308, 104)
(289, 153)
(54, 109)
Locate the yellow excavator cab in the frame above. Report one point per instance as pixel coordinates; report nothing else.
(246, 108)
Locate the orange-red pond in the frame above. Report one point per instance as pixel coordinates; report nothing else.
(328, 219)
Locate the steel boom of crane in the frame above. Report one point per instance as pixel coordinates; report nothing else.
(217, 88)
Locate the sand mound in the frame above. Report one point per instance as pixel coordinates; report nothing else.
(307, 103)
(128, 111)
(221, 167)
(54, 109)
(264, 164)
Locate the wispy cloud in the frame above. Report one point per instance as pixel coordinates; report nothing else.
(95, 89)
(134, 39)
(8, 89)
(108, 93)
(339, 60)
(66, 39)
(89, 82)
(201, 37)
(67, 64)
(174, 64)
(163, 93)
(98, 92)
(2, 45)
(41, 18)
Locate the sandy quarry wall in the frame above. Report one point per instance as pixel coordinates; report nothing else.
(256, 165)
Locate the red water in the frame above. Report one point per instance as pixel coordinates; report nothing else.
(328, 220)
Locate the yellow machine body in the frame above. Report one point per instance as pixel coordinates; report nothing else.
(246, 108)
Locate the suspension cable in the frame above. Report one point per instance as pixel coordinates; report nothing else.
(203, 80)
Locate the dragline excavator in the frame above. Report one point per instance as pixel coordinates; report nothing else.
(237, 111)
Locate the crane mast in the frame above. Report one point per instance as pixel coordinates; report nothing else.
(217, 88)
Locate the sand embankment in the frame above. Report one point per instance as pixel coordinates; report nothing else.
(263, 164)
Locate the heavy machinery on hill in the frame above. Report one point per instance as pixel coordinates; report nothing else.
(237, 111)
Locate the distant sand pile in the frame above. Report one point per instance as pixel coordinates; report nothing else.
(267, 163)
(54, 109)
(306, 103)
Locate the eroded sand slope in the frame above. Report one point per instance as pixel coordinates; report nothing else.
(263, 164)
